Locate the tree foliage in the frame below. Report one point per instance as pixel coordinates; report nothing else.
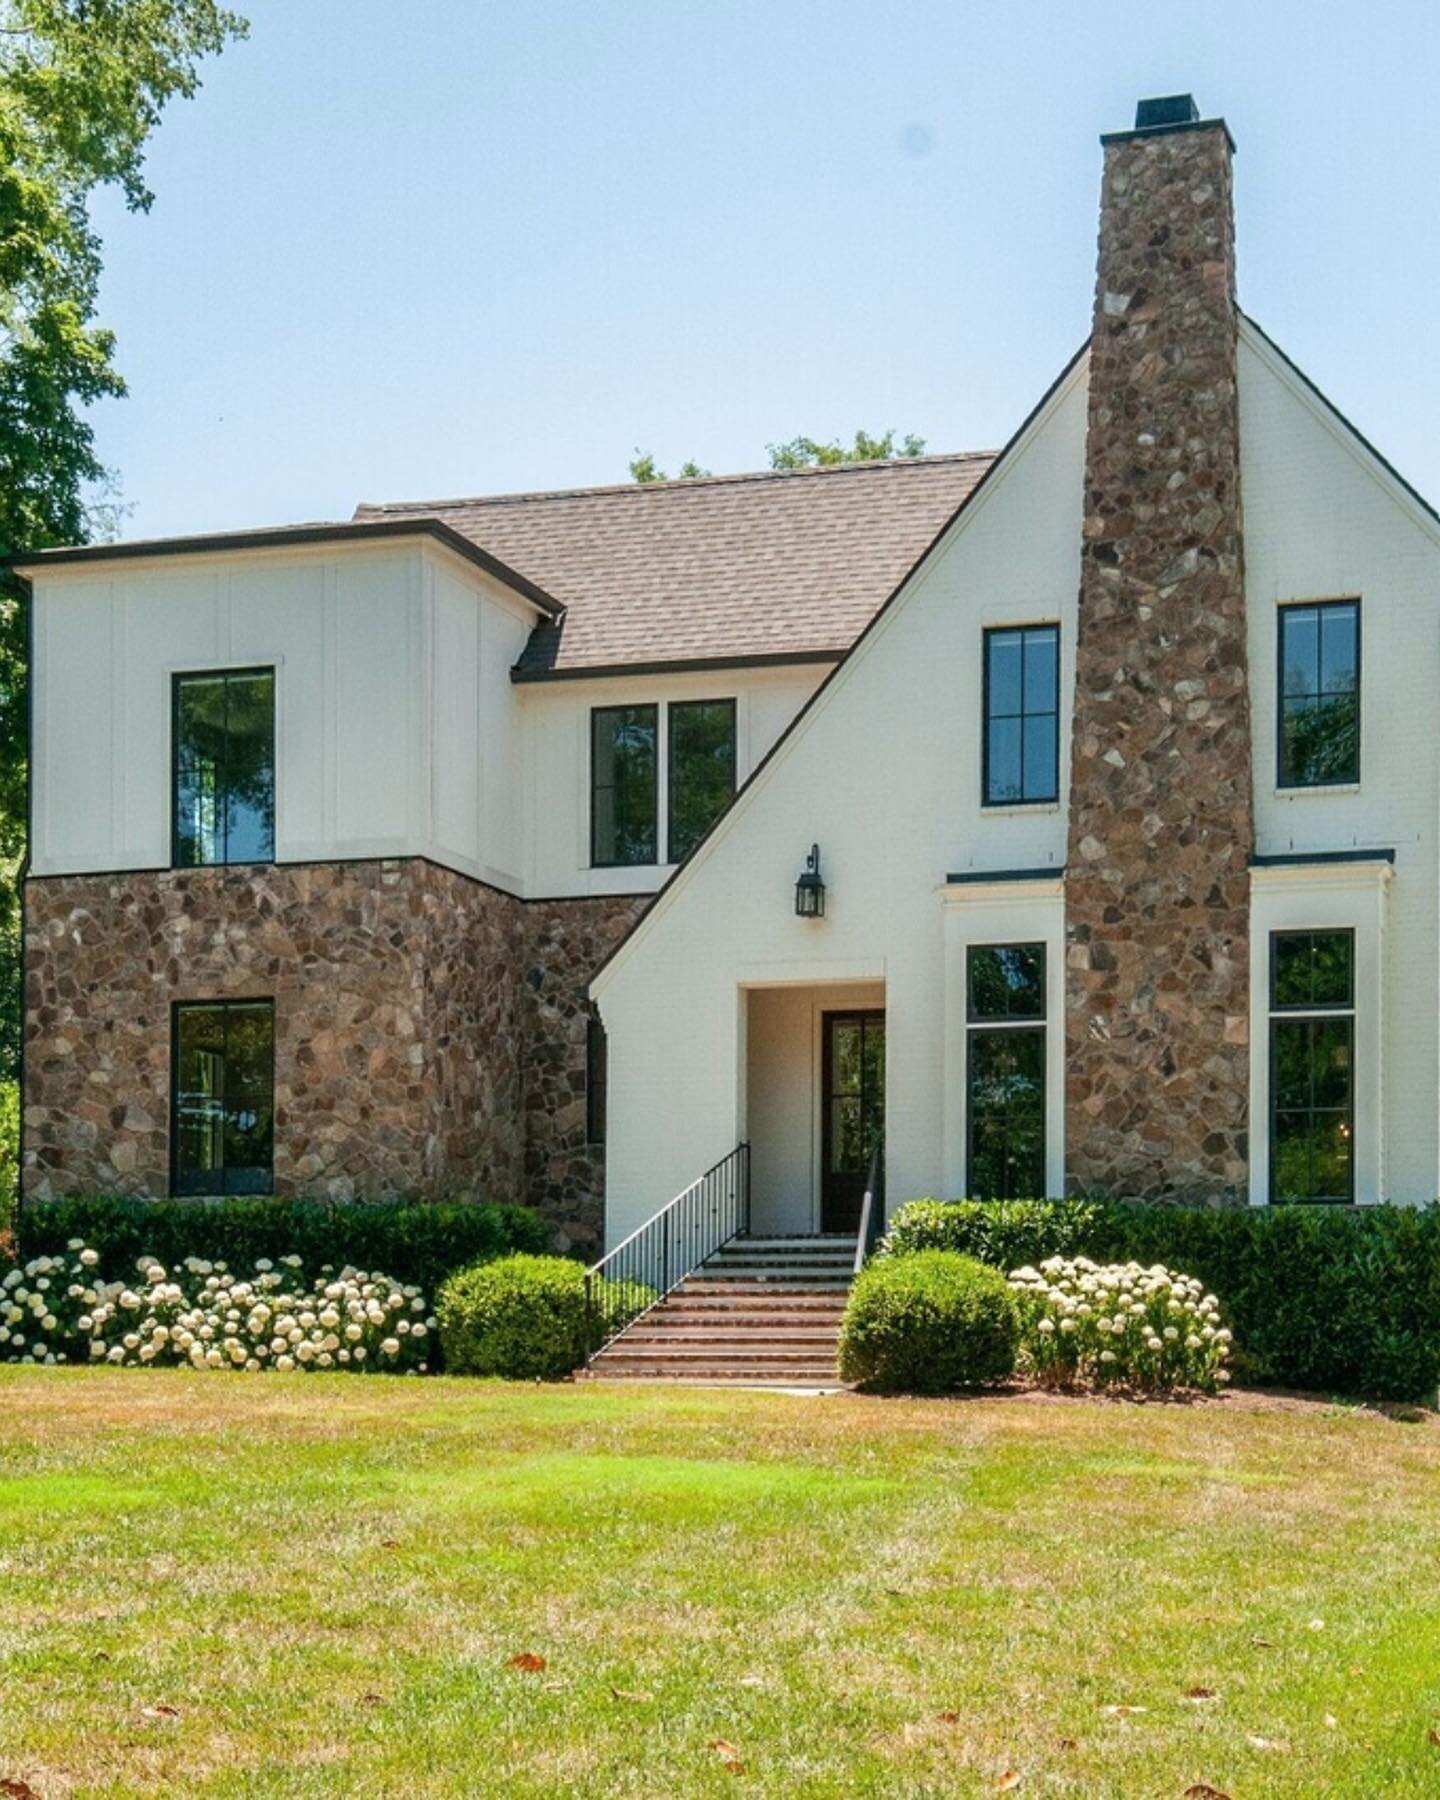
(82, 86)
(799, 453)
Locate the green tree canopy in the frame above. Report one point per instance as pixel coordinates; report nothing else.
(82, 85)
(799, 453)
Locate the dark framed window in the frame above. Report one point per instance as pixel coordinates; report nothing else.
(701, 771)
(1005, 1071)
(1022, 715)
(1312, 1066)
(597, 1072)
(624, 781)
(1319, 700)
(223, 733)
(222, 1098)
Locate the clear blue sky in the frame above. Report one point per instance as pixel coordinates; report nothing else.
(445, 247)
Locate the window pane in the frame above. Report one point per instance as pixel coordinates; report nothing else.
(1312, 1157)
(1330, 1063)
(845, 1053)
(1300, 649)
(847, 1139)
(1006, 981)
(224, 1098)
(623, 825)
(1333, 752)
(1006, 1109)
(1290, 1064)
(250, 768)
(1041, 650)
(1002, 773)
(1339, 647)
(1041, 743)
(1005, 651)
(1312, 968)
(702, 770)
(224, 768)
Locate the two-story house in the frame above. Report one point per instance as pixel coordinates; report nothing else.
(1067, 818)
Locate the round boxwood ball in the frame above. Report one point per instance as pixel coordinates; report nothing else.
(928, 1324)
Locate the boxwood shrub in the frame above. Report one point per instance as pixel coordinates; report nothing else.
(1342, 1300)
(522, 1317)
(419, 1243)
(928, 1323)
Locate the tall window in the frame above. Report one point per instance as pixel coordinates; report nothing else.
(701, 772)
(223, 1100)
(624, 763)
(1022, 715)
(1320, 694)
(596, 1079)
(224, 739)
(1312, 1073)
(1005, 1071)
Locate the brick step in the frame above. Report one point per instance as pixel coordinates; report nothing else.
(753, 1293)
(813, 1374)
(729, 1332)
(624, 1351)
(821, 1279)
(774, 1269)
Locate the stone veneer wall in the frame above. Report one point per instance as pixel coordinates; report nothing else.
(1161, 808)
(566, 942)
(397, 1023)
(426, 1026)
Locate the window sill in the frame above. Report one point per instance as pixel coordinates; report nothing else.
(1319, 791)
(1009, 809)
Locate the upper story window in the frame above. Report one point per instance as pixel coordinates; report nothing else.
(625, 756)
(224, 748)
(223, 1098)
(702, 770)
(1022, 715)
(1319, 661)
(1005, 1071)
(624, 775)
(1312, 1065)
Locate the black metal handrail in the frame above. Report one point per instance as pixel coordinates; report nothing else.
(652, 1262)
(872, 1210)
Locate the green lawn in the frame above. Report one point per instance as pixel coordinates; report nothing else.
(326, 1577)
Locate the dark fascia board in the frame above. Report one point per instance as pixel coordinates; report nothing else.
(770, 659)
(1340, 418)
(284, 537)
(977, 876)
(1303, 859)
(1125, 137)
(890, 599)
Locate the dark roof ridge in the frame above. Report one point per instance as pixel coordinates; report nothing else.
(369, 508)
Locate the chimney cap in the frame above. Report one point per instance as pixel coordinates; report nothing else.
(1170, 109)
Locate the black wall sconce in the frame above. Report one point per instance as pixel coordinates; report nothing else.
(810, 889)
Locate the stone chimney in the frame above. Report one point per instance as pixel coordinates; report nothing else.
(1161, 797)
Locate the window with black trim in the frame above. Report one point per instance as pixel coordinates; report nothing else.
(223, 727)
(1021, 750)
(624, 779)
(1005, 1071)
(597, 1068)
(222, 1101)
(701, 771)
(1319, 699)
(1312, 1066)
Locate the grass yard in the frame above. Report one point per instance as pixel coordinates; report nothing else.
(326, 1579)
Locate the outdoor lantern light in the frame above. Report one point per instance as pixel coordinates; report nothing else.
(810, 889)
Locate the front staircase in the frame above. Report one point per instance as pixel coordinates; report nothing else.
(760, 1311)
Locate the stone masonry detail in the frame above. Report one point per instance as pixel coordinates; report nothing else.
(1161, 801)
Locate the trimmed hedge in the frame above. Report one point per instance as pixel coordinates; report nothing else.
(522, 1318)
(1330, 1299)
(411, 1242)
(927, 1324)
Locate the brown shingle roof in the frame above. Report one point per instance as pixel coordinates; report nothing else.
(714, 569)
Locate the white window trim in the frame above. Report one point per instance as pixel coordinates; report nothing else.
(1003, 912)
(1320, 897)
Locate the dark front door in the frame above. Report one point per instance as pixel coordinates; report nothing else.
(854, 1120)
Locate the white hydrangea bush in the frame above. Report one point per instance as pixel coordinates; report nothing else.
(206, 1316)
(1121, 1324)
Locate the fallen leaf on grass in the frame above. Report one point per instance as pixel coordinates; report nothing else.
(389, 1543)
(526, 1660)
(1201, 1693)
(630, 1694)
(17, 1789)
(1010, 1779)
(728, 1754)
(1317, 1624)
(1121, 1712)
(1067, 1743)
(947, 1718)
(752, 1681)
(372, 1699)
(160, 1711)
(1202, 1790)
(1261, 1643)
(1256, 1742)
(1432, 1736)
